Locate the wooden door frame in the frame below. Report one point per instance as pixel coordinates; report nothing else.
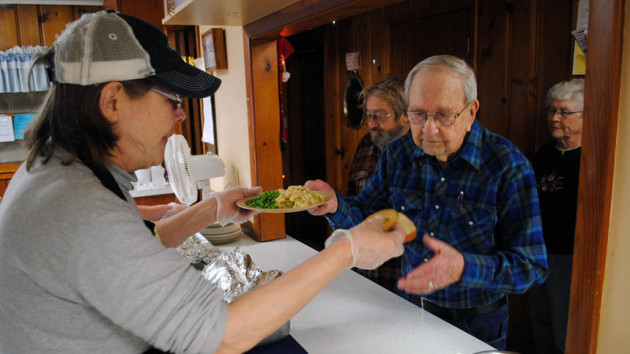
(261, 61)
(601, 107)
(262, 92)
(601, 102)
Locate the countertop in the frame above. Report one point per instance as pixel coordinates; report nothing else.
(150, 190)
(354, 315)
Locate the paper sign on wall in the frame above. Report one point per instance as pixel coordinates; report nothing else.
(353, 61)
(208, 122)
(200, 64)
(6, 129)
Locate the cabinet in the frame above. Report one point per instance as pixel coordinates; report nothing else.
(13, 153)
(6, 173)
(24, 25)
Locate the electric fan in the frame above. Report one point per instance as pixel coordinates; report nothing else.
(187, 172)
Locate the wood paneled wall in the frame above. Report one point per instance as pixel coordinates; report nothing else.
(268, 171)
(542, 26)
(518, 49)
(32, 25)
(369, 34)
(24, 25)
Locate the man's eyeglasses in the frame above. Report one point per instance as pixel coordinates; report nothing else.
(552, 112)
(440, 118)
(176, 100)
(379, 118)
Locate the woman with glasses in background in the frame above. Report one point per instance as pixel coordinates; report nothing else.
(557, 167)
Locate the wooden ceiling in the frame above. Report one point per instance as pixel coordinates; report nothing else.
(223, 12)
(269, 18)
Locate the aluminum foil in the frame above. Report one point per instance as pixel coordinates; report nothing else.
(234, 272)
(197, 249)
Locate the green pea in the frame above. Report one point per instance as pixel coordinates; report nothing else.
(266, 200)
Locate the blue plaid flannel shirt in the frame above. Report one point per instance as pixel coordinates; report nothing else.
(484, 203)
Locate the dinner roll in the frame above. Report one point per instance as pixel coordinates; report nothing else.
(392, 218)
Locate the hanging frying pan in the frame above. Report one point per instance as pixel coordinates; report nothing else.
(351, 102)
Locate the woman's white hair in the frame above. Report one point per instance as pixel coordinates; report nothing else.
(567, 90)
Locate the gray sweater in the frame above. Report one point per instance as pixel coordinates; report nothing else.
(80, 272)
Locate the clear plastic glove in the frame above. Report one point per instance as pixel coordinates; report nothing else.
(369, 244)
(227, 210)
(174, 209)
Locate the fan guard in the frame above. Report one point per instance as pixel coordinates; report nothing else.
(188, 173)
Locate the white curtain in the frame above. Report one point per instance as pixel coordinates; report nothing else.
(15, 64)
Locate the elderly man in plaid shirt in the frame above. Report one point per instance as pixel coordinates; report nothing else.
(472, 195)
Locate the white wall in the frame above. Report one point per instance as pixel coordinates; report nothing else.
(231, 114)
(614, 329)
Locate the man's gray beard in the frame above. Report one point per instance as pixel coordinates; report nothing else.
(382, 139)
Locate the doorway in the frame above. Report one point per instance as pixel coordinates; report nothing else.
(304, 153)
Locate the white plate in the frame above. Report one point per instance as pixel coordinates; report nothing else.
(215, 241)
(221, 230)
(217, 237)
(243, 204)
(216, 225)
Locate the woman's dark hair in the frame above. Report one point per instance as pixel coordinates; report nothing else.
(70, 118)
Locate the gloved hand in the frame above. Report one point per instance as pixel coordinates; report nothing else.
(369, 244)
(174, 209)
(227, 210)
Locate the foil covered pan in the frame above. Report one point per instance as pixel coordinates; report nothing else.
(234, 272)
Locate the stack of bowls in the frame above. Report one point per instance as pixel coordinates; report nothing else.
(216, 233)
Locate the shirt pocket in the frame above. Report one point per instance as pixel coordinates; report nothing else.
(472, 228)
(410, 204)
(407, 202)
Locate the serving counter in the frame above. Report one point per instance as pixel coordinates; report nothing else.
(354, 315)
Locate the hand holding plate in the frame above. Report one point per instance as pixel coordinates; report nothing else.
(228, 210)
(321, 186)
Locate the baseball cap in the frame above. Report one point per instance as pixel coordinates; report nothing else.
(110, 46)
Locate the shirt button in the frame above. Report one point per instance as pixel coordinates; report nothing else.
(431, 233)
(437, 206)
(471, 223)
(442, 179)
(402, 207)
(425, 260)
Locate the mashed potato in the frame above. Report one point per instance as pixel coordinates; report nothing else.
(297, 197)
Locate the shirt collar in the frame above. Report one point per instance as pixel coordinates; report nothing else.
(470, 150)
(123, 178)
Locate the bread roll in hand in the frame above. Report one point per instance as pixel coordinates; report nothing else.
(393, 218)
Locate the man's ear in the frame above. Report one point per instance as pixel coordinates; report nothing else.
(472, 109)
(109, 100)
(404, 119)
